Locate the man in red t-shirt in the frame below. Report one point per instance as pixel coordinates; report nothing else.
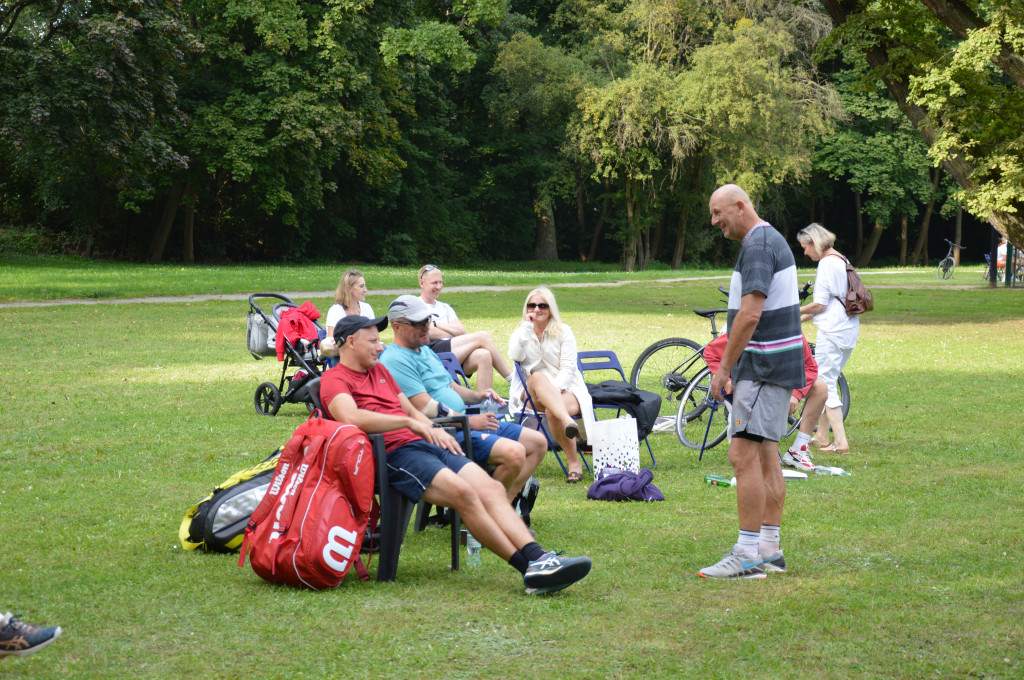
(426, 462)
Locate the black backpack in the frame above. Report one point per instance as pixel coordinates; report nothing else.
(216, 523)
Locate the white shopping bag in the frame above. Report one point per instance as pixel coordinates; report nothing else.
(615, 444)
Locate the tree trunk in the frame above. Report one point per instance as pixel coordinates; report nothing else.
(645, 249)
(677, 254)
(545, 247)
(605, 209)
(961, 19)
(581, 212)
(163, 230)
(921, 247)
(903, 239)
(858, 244)
(629, 253)
(993, 266)
(869, 250)
(1011, 224)
(958, 234)
(652, 253)
(190, 221)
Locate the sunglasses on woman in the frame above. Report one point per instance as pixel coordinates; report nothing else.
(537, 305)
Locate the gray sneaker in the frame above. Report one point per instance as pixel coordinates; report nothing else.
(735, 565)
(774, 563)
(552, 572)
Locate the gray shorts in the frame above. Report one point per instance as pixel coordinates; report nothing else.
(759, 409)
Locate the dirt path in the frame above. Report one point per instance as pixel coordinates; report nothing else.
(304, 295)
(297, 295)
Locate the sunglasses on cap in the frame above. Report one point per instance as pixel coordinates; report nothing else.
(537, 305)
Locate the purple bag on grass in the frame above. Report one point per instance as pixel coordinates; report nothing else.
(613, 484)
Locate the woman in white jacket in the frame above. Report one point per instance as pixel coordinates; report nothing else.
(546, 350)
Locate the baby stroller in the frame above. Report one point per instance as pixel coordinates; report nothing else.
(300, 349)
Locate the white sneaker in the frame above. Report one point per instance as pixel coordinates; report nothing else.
(798, 459)
(774, 563)
(735, 565)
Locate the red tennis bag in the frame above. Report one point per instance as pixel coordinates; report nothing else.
(309, 527)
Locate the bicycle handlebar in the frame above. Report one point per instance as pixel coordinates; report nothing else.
(954, 244)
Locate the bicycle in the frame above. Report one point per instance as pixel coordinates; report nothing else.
(698, 418)
(668, 366)
(947, 264)
(674, 368)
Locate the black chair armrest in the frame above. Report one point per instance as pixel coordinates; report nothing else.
(463, 423)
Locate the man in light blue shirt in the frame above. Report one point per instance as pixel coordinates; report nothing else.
(513, 450)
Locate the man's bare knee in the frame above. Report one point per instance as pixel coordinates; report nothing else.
(510, 453)
(481, 357)
(451, 491)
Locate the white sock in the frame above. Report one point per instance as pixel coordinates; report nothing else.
(747, 542)
(768, 540)
(801, 440)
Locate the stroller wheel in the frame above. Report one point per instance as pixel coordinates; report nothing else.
(268, 399)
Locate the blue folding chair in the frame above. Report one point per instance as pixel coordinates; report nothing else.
(530, 411)
(454, 368)
(605, 360)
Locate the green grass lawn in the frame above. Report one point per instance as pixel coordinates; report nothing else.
(117, 418)
(54, 278)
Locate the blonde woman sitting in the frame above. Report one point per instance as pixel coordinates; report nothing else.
(546, 349)
(349, 298)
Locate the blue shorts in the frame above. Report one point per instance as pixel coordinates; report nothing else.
(413, 466)
(484, 440)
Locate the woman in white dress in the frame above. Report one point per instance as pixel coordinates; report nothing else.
(546, 349)
(349, 298)
(837, 331)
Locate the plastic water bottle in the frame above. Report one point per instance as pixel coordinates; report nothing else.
(825, 470)
(715, 480)
(472, 551)
(489, 405)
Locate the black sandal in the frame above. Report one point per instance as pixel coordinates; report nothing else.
(573, 477)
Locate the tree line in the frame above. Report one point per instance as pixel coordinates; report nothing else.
(397, 132)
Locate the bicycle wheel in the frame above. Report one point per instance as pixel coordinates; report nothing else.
(793, 421)
(945, 268)
(696, 418)
(666, 368)
(844, 394)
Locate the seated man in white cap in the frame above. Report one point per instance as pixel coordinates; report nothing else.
(513, 450)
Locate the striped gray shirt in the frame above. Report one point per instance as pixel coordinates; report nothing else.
(775, 351)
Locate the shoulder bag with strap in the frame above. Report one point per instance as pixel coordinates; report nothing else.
(858, 298)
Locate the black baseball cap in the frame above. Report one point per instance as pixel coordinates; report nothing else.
(352, 323)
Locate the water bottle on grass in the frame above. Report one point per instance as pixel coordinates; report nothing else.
(472, 551)
(824, 470)
(715, 480)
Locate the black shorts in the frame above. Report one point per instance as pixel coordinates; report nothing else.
(440, 345)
